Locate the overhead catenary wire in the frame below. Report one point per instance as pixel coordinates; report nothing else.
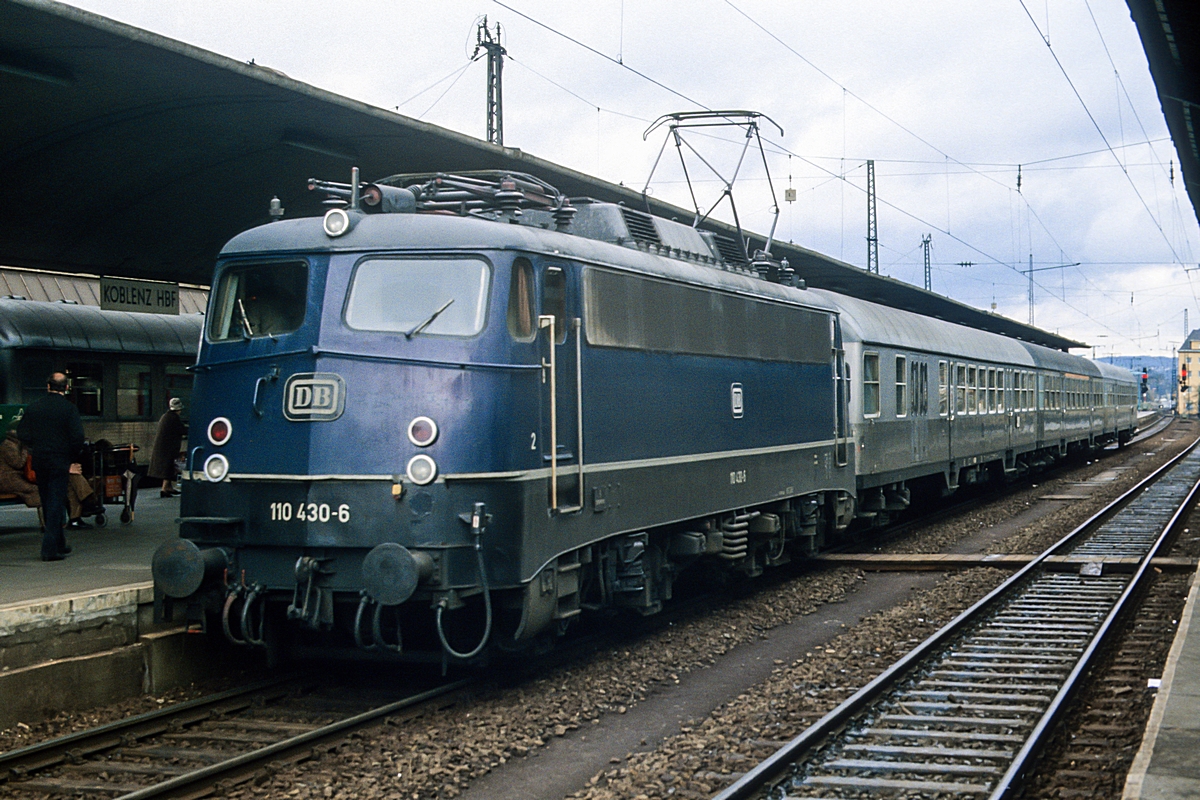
(781, 150)
(1099, 130)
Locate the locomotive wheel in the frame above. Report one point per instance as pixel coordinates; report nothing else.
(101, 520)
(126, 516)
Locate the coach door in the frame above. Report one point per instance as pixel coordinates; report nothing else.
(841, 384)
(562, 409)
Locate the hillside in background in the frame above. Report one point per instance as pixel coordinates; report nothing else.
(1161, 370)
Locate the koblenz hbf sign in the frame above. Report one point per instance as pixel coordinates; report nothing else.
(149, 297)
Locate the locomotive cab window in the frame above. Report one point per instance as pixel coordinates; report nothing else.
(259, 300)
(419, 296)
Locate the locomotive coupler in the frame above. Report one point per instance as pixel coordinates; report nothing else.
(311, 602)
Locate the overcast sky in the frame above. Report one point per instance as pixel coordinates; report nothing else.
(947, 98)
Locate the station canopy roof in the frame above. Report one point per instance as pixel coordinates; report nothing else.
(1170, 33)
(125, 153)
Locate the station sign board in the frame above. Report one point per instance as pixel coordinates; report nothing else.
(148, 297)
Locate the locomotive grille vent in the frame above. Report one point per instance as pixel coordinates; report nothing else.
(641, 226)
(730, 251)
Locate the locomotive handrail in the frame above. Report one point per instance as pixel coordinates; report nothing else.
(577, 325)
(547, 321)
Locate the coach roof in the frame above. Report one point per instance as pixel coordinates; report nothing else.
(66, 326)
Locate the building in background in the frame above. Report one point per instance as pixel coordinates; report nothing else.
(1186, 371)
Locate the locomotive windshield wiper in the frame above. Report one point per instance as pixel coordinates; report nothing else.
(428, 320)
(247, 331)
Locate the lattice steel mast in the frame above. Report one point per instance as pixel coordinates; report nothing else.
(485, 40)
(872, 233)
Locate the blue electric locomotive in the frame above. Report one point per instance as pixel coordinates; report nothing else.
(461, 410)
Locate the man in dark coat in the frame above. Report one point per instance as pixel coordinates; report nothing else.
(53, 432)
(167, 441)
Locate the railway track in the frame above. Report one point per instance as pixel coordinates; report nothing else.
(191, 749)
(967, 711)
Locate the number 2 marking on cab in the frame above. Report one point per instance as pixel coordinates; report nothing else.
(309, 512)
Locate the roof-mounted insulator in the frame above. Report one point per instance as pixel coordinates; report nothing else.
(564, 212)
(508, 198)
(775, 271)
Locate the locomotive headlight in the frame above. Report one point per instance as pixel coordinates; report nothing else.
(337, 222)
(422, 431)
(421, 469)
(216, 467)
(219, 431)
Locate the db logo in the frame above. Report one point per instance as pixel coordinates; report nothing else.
(314, 397)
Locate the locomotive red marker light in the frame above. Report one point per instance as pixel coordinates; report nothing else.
(219, 431)
(422, 431)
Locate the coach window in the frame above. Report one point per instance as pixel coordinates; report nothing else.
(943, 389)
(923, 391)
(960, 391)
(870, 384)
(133, 391)
(554, 301)
(972, 387)
(991, 391)
(520, 301)
(87, 387)
(1003, 379)
(901, 386)
(914, 380)
(179, 384)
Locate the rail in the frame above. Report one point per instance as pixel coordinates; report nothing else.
(18, 767)
(967, 710)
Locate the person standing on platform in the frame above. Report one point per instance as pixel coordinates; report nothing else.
(53, 432)
(167, 441)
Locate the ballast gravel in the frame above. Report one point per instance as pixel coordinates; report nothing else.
(439, 755)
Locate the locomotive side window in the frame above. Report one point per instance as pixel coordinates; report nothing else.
(901, 386)
(259, 300)
(432, 296)
(870, 384)
(629, 311)
(554, 301)
(520, 301)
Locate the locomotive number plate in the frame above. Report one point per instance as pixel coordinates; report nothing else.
(310, 512)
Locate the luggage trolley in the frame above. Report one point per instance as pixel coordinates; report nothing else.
(114, 478)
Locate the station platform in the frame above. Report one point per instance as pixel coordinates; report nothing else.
(1166, 766)
(115, 557)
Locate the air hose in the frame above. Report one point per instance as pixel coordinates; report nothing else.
(478, 519)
